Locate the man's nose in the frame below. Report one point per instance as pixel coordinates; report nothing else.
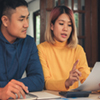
(26, 24)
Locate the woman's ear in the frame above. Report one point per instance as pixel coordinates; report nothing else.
(51, 26)
(5, 20)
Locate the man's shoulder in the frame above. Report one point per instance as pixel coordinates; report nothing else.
(28, 37)
(28, 41)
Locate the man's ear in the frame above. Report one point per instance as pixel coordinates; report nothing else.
(51, 26)
(5, 20)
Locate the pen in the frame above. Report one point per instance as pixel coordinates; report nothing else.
(32, 95)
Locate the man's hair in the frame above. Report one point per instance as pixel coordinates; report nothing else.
(7, 5)
(55, 13)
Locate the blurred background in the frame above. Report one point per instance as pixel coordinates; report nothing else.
(86, 13)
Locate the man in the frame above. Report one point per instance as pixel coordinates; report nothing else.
(18, 52)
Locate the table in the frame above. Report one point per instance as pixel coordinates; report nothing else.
(91, 96)
(94, 96)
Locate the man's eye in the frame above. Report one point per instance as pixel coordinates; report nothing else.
(21, 19)
(61, 23)
(27, 17)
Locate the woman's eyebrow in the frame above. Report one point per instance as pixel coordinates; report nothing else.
(64, 21)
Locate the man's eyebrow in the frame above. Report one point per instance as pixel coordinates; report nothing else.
(24, 16)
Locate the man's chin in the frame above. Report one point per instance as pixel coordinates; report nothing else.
(23, 37)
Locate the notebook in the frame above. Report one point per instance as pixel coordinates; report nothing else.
(41, 95)
(45, 95)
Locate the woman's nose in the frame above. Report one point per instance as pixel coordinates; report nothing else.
(65, 28)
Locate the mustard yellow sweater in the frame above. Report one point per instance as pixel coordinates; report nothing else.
(57, 61)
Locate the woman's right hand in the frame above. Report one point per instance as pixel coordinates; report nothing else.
(73, 76)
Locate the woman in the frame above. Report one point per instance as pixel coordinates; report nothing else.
(63, 60)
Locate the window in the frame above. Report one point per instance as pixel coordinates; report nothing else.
(37, 27)
(85, 12)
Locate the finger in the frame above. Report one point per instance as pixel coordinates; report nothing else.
(18, 90)
(26, 87)
(23, 93)
(15, 89)
(75, 77)
(12, 95)
(21, 85)
(8, 95)
(74, 66)
(78, 72)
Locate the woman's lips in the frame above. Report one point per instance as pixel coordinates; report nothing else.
(64, 35)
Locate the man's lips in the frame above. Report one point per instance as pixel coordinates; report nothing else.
(24, 30)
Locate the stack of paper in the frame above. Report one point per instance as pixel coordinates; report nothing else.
(93, 80)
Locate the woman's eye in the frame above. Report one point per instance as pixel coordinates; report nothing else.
(69, 25)
(61, 23)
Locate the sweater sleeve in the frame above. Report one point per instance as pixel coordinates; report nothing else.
(50, 82)
(35, 78)
(82, 65)
(3, 83)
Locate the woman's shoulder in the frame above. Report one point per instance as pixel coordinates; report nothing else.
(43, 45)
(79, 48)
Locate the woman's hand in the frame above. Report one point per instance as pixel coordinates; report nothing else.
(12, 88)
(73, 76)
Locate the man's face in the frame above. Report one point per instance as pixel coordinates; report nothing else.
(17, 24)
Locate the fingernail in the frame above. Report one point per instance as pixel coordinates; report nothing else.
(26, 87)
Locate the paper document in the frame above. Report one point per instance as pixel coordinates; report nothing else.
(27, 98)
(80, 99)
(92, 81)
(73, 99)
(45, 95)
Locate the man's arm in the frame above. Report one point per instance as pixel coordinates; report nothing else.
(35, 78)
(3, 83)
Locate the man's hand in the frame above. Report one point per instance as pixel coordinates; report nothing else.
(73, 76)
(12, 88)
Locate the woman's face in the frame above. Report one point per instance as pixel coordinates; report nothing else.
(62, 28)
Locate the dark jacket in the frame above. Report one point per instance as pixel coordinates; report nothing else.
(16, 58)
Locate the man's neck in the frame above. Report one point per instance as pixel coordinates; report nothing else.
(6, 35)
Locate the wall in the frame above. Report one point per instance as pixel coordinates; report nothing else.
(32, 7)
